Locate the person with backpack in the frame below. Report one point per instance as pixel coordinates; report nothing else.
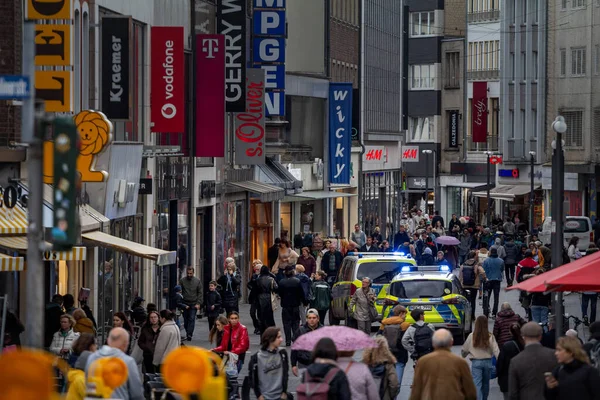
(321, 292)
(493, 267)
(471, 275)
(481, 346)
(324, 379)
(417, 338)
(510, 262)
(268, 369)
(362, 385)
(306, 284)
(392, 329)
(381, 362)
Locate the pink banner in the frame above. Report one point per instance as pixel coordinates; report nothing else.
(479, 112)
(210, 96)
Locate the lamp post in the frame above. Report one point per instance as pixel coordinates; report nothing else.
(489, 199)
(559, 126)
(531, 195)
(427, 154)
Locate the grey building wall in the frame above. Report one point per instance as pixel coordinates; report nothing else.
(452, 96)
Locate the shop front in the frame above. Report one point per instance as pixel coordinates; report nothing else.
(574, 194)
(420, 168)
(458, 196)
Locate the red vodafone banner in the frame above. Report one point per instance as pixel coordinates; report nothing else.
(167, 101)
(479, 112)
(210, 95)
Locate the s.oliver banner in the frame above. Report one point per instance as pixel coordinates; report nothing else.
(115, 67)
(210, 96)
(167, 102)
(340, 131)
(479, 112)
(250, 125)
(231, 22)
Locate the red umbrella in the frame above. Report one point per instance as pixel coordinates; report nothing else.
(580, 275)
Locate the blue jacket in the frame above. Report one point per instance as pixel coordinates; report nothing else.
(493, 267)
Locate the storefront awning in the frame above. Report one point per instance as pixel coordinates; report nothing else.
(323, 194)
(19, 243)
(266, 192)
(11, 264)
(90, 219)
(506, 192)
(273, 173)
(161, 257)
(13, 221)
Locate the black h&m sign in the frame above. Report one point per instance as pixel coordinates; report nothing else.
(453, 129)
(231, 22)
(115, 67)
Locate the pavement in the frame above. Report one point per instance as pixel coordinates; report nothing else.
(200, 339)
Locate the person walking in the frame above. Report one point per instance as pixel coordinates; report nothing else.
(321, 291)
(471, 276)
(331, 263)
(361, 301)
(253, 296)
(508, 351)
(493, 267)
(307, 261)
(358, 236)
(52, 316)
(307, 287)
(301, 359)
(441, 374)
(526, 371)
(286, 257)
(540, 305)
(417, 339)
(362, 385)
(191, 289)
(574, 378)
(465, 246)
(62, 341)
(480, 347)
(573, 249)
(292, 296)
(591, 299)
(592, 346)
(77, 388)
(324, 369)
(230, 284)
(147, 341)
(500, 250)
(216, 333)
(169, 338)
(273, 253)
(268, 368)
(382, 362)
(392, 329)
(503, 323)
(235, 339)
(85, 342)
(82, 323)
(265, 287)
(511, 259)
(213, 304)
(401, 237)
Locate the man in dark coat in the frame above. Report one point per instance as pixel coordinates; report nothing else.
(292, 295)
(331, 263)
(52, 319)
(302, 359)
(273, 253)
(437, 218)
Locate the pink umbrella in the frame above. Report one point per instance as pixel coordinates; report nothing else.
(345, 339)
(447, 240)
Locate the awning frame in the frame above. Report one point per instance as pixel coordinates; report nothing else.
(267, 193)
(101, 239)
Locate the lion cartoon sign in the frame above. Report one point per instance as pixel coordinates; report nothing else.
(95, 134)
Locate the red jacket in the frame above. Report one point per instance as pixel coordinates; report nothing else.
(240, 343)
(528, 265)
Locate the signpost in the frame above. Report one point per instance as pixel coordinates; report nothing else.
(14, 87)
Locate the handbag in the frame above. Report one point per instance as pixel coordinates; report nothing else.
(494, 371)
(373, 314)
(274, 298)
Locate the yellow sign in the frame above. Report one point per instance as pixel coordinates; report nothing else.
(95, 134)
(53, 45)
(55, 88)
(49, 9)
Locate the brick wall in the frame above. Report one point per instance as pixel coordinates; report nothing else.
(344, 48)
(10, 63)
(454, 18)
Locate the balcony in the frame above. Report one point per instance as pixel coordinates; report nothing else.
(483, 16)
(483, 75)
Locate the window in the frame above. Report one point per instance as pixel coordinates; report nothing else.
(453, 77)
(564, 4)
(421, 129)
(524, 11)
(420, 289)
(578, 61)
(563, 62)
(574, 135)
(512, 124)
(578, 3)
(523, 123)
(379, 272)
(422, 76)
(534, 66)
(597, 60)
(423, 23)
(535, 123)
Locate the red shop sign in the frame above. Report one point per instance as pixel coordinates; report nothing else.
(250, 125)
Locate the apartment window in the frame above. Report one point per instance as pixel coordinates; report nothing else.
(574, 135)
(452, 70)
(523, 124)
(421, 129)
(523, 66)
(511, 130)
(564, 4)
(524, 10)
(597, 60)
(512, 7)
(563, 62)
(534, 66)
(578, 61)
(423, 23)
(422, 76)
(578, 3)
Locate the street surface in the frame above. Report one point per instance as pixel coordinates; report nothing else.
(572, 307)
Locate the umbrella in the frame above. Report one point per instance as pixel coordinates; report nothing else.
(447, 240)
(345, 339)
(577, 276)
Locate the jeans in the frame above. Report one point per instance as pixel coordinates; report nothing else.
(400, 372)
(364, 326)
(539, 314)
(509, 271)
(592, 299)
(189, 320)
(291, 322)
(489, 287)
(482, 372)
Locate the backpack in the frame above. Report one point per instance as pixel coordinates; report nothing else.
(595, 353)
(316, 388)
(423, 340)
(468, 275)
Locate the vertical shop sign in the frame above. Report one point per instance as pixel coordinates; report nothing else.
(453, 129)
(115, 67)
(53, 48)
(340, 131)
(479, 112)
(231, 22)
(269, 31)
(210, 96)
(167, 102)
(250, 125)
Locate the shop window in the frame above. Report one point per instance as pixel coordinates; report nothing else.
(261, 229)
(578, 61)
(307, 216)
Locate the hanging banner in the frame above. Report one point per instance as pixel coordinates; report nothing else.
(250, 125)
(167, 101)
(453, 129)
(479, 112)
(210, 96)
(340, 131)
(231, 22)
(115, 67)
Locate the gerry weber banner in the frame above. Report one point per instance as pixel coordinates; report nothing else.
(210, 96)
(115, 67)
(479, 112)
(340, 131)
(231, 22)
(453, 129)
(167, 84)
(250, 125)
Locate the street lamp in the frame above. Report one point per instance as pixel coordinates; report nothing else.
(531, 195)
(427, 154)
(489, 199)
(559, 126)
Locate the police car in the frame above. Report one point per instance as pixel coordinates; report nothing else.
(435, 290)
(380, 267)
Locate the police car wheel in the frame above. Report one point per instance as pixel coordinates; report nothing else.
(460, 336)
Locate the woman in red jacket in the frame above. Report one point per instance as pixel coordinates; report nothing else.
(235, 339)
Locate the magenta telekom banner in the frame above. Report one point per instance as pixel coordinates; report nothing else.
(210, 96)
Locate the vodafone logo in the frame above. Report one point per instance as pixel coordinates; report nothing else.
(168, 78)
(168, 111)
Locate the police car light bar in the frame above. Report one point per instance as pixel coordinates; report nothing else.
(378, 254)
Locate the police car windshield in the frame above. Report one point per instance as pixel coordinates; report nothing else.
(380, 271)
(420, 289)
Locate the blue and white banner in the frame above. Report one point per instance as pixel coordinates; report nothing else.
(340, 132)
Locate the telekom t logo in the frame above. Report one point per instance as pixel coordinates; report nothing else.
(209, 46)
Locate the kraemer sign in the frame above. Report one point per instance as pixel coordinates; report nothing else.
(340, 131)
(115, 67)
(167, 86)
(250, 125)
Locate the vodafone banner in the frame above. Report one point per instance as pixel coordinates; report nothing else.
(167, 100)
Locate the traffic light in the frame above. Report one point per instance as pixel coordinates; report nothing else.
(66, 150)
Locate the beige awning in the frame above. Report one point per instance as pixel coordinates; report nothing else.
(91, 220)
(102, 239)
(506, 192)
(11, 264)
(19, 243)
(13, 221)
